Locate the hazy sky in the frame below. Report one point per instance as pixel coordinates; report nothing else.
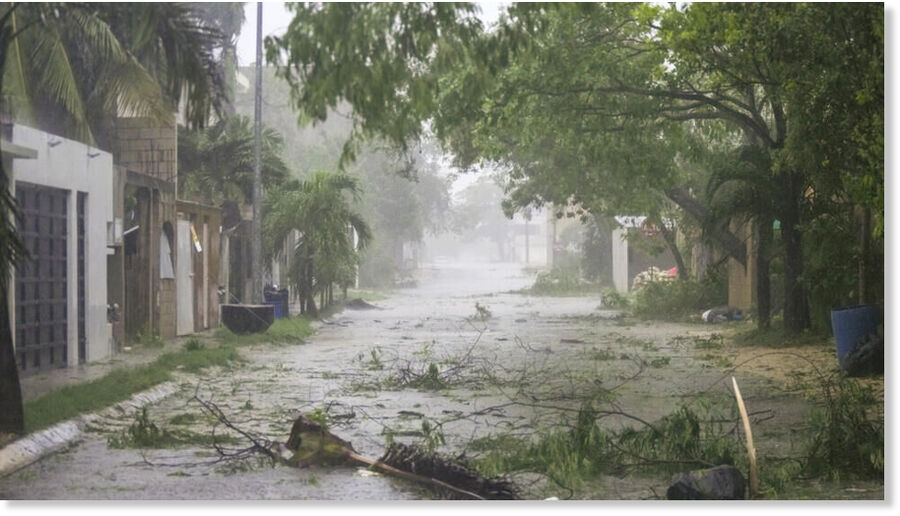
(276, 18)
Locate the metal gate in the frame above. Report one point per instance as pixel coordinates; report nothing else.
(41, 288)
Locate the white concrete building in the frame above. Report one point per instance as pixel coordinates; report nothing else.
(58, 305)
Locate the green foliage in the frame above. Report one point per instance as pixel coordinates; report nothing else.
(320, 209)
(375, 363)
(149, 339)
(680, 439)
(288, 330)
(193, 344)
(680, 299)
(848, 440)
(432, 436)
(562, 281)
(432, 379)
(119, 385)
(482, 313)
(382, 58)
(74, 67)
(319, 416)
(144, 433)
(187, 418)
(611, 298)
(217, 164)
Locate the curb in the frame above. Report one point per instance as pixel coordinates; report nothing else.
(37, 445)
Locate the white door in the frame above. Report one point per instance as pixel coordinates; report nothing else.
(184, 280)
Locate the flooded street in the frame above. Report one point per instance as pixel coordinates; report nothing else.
(459, 358)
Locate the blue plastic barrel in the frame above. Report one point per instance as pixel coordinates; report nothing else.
(851, 324)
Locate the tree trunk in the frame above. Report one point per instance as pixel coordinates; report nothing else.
(763, 284)
(310, 295)
(672, 244)
(796, 313)
(12, 417)
(731, 244)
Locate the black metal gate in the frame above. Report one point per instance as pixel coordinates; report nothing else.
(41, 318)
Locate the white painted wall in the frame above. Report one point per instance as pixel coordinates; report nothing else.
(620, 259)
(75, 167)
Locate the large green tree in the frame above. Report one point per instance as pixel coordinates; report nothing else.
(624, 107)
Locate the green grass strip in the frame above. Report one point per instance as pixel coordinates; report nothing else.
(282, 331)
(119, 385)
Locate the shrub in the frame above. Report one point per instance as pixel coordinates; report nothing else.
(613, 299)
(193, 344)
(679, 300)
(847, 442)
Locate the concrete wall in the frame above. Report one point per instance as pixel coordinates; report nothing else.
(75, 167)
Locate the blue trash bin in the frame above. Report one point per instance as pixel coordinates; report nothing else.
(851, 324)
(285, 307)
(275, 299)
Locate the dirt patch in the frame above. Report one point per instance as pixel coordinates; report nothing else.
(798, 369)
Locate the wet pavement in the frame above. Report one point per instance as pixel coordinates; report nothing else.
(518, 366)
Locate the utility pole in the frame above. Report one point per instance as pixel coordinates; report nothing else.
(256, 237)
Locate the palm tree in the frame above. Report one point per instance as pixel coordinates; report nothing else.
(216, 164)
(72, 68)
(12, 419)
(319, 209)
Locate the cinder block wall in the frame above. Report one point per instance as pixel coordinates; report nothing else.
(142, 146)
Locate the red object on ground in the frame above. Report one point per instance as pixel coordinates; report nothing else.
(673, 271)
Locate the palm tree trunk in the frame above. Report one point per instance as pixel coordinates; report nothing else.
(310, 295)
(12, 417)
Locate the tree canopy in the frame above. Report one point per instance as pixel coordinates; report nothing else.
(753, 112)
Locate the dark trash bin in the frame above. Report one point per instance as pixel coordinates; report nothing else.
(244, 319)
(851, 326)
(279, 300)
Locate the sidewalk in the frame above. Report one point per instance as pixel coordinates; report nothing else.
(34, 386)
(32, 447)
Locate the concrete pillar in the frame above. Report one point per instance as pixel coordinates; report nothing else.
(620, 260)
